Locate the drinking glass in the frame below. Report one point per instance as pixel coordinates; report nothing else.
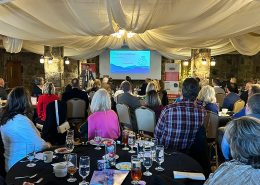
(136, 170)
(97, 139)
(69, 143)
(125, 139)
(159, 157)
(72, 166)
(147, 161)
(140, 149)
(84, 168)
(30, 153)
(70, 133)
(153, 148)
(131, 142)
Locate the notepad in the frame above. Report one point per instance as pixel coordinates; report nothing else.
(188, 175)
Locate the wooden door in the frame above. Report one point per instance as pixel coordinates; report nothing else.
(13, 73)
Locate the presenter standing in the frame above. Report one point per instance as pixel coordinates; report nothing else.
(86, 75)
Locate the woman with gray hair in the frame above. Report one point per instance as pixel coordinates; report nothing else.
(103, 118)
(244, 137)
(47, 97)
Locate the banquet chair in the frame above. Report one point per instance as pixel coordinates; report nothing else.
(145, 119)
(238, 105)
(220, 99)
(124, 116)
(211, 123)
(76, 111)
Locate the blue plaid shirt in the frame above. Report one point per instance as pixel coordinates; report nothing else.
(178, 124)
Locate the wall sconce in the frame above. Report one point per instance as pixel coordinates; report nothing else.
(213, 61)
(50, 60)
(185, 62)
(42, 60)
(204, 61)
(67, 62)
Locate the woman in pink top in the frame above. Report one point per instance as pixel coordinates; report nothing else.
(102, 117)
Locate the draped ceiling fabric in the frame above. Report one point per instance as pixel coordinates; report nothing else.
(172, 27)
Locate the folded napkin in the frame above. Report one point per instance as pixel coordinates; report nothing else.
(39, 156)
(188, 175)
(62, 163)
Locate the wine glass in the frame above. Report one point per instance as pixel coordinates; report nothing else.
(69, 143)
(125, 139)
(97, 139)
(84, 168)
(147, 161)
(153, 148)
(131, 142)
(159, 157)
(30, 153)
(72, 166)
(136, 170)
(140, 149)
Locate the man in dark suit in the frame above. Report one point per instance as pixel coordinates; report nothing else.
(86, 75)
(75, 93)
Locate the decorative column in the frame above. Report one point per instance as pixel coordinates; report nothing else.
(54, 71)
(200, 64)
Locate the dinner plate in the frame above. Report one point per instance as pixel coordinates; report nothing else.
(123, 166)
(104, 140)
(62, 150)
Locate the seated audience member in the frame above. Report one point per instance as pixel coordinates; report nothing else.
(3, 93)
(68, 88)
(143, 86)
(231, 98)
(47, 97)
(233, 83)
(165, 100)
(102, 117)
(96, 86)
(157, 85)
(37, 87)
(243, 134)
(217, 86)
(153, 102)
(128, 78)
(179, 122)
(207, 98)
(254, 88)
(17, 129)
(244, 93)
(252, 110)
(75, 93)
(150, 86)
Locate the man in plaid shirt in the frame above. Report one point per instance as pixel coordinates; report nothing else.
(179, 122)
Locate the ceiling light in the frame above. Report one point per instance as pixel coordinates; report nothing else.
(42, 60)
(121, 31)
(186, 62)
(67, 61)
(213, 61)
(130, 34)
(50, 61)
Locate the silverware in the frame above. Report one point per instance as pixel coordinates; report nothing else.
(23, 177)
(171, 153)
(38, 181)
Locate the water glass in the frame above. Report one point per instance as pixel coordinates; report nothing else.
(131, 141)
(153, 148)
(70, 133)
(72, 166)
(69, 143)
(159, 157)
(147, 161)
(84, 168)
(110, 152)
(125, 139)
(30, 153)
(98, 139)
(136, 169)
(140, 149)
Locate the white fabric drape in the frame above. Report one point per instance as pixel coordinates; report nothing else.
(172, 27)
(12, 45)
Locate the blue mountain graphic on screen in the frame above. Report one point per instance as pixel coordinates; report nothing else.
(130, 69)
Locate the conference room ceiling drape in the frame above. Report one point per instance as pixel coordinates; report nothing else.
(172, 27)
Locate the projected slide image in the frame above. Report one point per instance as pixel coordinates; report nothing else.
(133, 62)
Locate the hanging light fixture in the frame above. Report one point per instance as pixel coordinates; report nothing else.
(67, 62)
(42, 60)
(130, 34)
(50, 60)
(186, 62)
(204, 61)
(122, 32)
(213, 61)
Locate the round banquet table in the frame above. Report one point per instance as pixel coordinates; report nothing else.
(175, 161)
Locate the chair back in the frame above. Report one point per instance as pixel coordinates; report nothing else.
(238, 105)
(211, 125)
(76, 108)
(220, 99)
(124, 115)
(145, 119)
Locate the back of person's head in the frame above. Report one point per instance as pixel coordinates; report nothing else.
(253, 104)
(207, 94)
(152, 99)
(230, 87)
(190, 89)
(233, 80)
(2, 82)
(75, 83)
(101, 101)
(38, 81)
(255, 88)
(48, 88)
(243, 135)
(68, 88)
(128, 78)
(198, 79)
(18, 102)
(216, 82)
(150, 86)
(126, 86)
(105, 80)
(97, 83)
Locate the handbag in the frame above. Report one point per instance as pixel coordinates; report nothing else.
(64, 126)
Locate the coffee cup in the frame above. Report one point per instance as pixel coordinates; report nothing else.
(47, 156)
(224, 111)
(60, 170)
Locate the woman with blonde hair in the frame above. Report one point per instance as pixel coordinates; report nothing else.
(150, 86)
(47, 97)
(207, 98)
(102, 117)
